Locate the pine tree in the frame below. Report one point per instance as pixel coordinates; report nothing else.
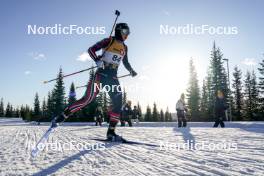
(37, 111)
(261, 88)
(72, 94)
(162, 118)
(251, 96)
(11, 111)
(170, 117)
(211, 97)
(148, 115)
(8, 111)
(167, 115)
(28, 113)
(204, 107)
(255, 96)
(155, 114)
(2, 109)
(140, 111)
(59, 94)
(17, 112)
(193, 94)
(22, 112)
(44, 109)
(237, 93)
(219, 77)
(50, 106)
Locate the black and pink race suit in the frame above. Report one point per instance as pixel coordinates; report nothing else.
(114, 52)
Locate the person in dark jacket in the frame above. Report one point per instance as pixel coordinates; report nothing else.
(126, 114)
(98, 116)
(220, 107)
(136, 114)
(181, 110)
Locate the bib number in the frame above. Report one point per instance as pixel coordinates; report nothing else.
(115, 58)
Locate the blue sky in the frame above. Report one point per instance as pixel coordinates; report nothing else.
(160, 60)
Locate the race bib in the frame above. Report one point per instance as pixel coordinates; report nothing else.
(112, 58)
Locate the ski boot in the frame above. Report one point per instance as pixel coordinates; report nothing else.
(113, 137)
(58, 119)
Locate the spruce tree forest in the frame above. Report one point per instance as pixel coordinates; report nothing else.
(244, 94)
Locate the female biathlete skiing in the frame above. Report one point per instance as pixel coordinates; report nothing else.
(114, 51)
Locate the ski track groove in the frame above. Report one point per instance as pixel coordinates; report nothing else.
(126, 159)
(129, 161)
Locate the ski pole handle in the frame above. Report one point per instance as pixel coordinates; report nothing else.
(122, 76)
(117, 13)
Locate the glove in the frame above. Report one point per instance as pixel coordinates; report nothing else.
(133, 73)
(100, 64)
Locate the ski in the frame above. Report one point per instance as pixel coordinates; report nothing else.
(124, 141)
(41, 143)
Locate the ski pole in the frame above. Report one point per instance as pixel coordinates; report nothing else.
(70, 74)
(81, 86)
(117, 13)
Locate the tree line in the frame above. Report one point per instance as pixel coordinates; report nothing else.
(245, 97)
(157, 116)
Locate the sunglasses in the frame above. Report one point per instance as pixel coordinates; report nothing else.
(125, 32)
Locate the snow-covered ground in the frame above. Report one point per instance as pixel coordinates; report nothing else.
(240, 152)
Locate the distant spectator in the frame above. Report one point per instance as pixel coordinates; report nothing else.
(220, 108)
(136, 114)
(126, 114)
(98, 116)
(181, 109)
